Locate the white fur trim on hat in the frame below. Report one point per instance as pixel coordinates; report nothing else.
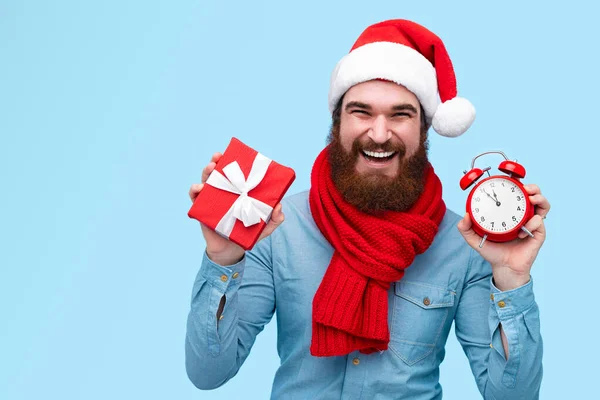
(390, 61)
(453, 117)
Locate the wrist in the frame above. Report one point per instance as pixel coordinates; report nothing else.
(506, 279)
(226, 259)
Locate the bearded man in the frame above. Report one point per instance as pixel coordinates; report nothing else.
(370, 269)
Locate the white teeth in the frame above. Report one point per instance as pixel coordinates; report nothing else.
(379, 154)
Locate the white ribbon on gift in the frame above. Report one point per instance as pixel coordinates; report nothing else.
(245, 208)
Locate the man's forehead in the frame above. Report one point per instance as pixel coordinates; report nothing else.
(380, 94)
(367, 102)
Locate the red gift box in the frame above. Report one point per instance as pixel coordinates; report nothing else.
(239, 195)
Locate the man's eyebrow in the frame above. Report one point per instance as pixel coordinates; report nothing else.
(357, 104)
(405, 107)
(397, 107)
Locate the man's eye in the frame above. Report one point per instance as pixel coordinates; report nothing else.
(359, 111)
(401, 114)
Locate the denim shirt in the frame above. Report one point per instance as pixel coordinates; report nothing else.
(449, 282)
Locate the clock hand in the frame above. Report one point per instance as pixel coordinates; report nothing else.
(496, 197)
(490, 196)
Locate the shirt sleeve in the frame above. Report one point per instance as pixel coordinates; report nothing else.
(481, 309)
(217, 346)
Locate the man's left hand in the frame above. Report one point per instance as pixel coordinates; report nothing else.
(512, 261)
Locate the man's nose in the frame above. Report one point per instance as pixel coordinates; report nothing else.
(379, 132)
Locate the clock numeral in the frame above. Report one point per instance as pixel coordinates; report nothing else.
(492, 223)
(518, 208)
(477, 198)
(477, 210)
(503, 224)
(518, 198)
(502, 184)
(482, 219)
(514, 218)
(512, 189)
(492, 184)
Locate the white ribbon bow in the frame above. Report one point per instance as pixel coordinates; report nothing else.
(245, 208)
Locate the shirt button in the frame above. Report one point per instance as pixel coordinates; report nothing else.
(492, 296)
(491, 345)
(224, 278)
(426, 301)
(235, 275)
(501, 304)
(356, 361)
(221, 317)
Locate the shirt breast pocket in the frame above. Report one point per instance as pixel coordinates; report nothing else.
(419, 313)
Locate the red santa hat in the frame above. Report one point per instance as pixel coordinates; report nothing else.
(410, 55)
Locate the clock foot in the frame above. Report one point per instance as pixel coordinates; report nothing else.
(482, 241)
(527, 231)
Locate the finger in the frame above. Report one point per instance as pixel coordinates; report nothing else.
(277, 219)
(532, 189)
(208, 170)
(211, 166)
(541, 203)
(536, 226)
(465, 228)
(215, 158)
(465, 223)
(277, 216)
(194, 190)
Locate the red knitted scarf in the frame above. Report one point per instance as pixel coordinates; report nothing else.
(350, 307)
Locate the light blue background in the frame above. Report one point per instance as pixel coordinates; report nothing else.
(109, 110)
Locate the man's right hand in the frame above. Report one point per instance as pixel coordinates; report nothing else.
(219, 249)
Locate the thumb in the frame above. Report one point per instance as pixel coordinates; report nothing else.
(277, 218)
(464, 227)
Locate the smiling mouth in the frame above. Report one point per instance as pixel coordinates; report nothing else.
(379, 156)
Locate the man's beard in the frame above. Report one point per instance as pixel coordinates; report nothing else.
(374, 192)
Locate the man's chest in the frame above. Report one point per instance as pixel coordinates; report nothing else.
(421, 305)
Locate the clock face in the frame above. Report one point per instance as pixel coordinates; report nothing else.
(498, 205)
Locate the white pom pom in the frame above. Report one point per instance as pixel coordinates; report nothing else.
(453, 117)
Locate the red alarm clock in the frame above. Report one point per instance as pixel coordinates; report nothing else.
(498, 205)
